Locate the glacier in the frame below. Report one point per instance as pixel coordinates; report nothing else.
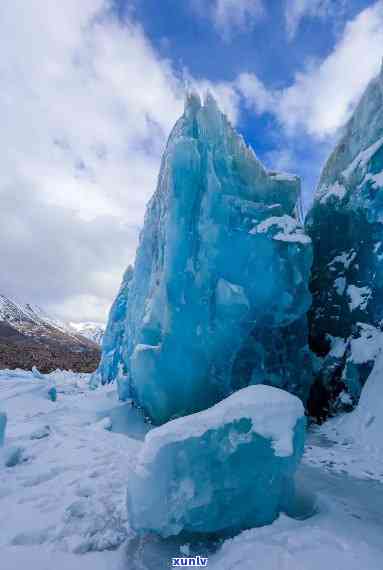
(346, 227)
(221, 470)
(112, 339)
(219, 291)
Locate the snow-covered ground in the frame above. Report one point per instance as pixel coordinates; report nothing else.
(354, 441)
(329, 450)
(62, 505)
(67, 495)
(344, 533)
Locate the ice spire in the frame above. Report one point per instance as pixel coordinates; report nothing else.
(209, 100)
(220, 252)
(192, 102)
(211, 106)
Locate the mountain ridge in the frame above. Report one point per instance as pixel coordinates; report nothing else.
(31, 337)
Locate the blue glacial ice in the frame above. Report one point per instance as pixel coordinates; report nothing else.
(52, 392)
(221, 470)
(219, 291)
(3, 425)
(13, 455)
(112, 344)
(346, 226)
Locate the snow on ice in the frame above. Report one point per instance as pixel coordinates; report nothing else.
(227, 468)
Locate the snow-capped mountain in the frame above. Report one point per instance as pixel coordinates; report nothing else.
(29, 336)
(90, 330)
(29, 319)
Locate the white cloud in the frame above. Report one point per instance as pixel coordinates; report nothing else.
(87, 105)
(255, 93)
(322, 97)
(297, 10)
(78, 108)
(51, 256)
(230, 16)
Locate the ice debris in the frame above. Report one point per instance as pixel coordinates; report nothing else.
(13, 455)
(41, 432)
(221, 470)
(3, 425)
(52, 393)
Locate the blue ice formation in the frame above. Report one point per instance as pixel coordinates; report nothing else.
(3, 425)
(219, 291)
(346, 227)
(13, 455)
(113, 339)
(221, 470)
(52, 393)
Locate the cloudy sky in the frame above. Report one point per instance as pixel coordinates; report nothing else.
(90, 90)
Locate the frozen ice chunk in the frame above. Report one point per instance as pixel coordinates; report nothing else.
(41, 432)
(3, 425)
(13, 455)
(52, 392)
(220, 470)
(220, 281)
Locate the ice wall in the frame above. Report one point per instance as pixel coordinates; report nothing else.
(219, 291)
(345, 224)
(111, 365)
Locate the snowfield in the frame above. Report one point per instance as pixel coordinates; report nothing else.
(63, 499)
(67, 495)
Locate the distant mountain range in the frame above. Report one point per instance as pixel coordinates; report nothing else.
(90, 330)
(31, 337)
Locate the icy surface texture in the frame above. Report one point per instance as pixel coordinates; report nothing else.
(365, 424)
(220, 279)
(3, 425)
(345, 224)
(220, 470)
(113, 338)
